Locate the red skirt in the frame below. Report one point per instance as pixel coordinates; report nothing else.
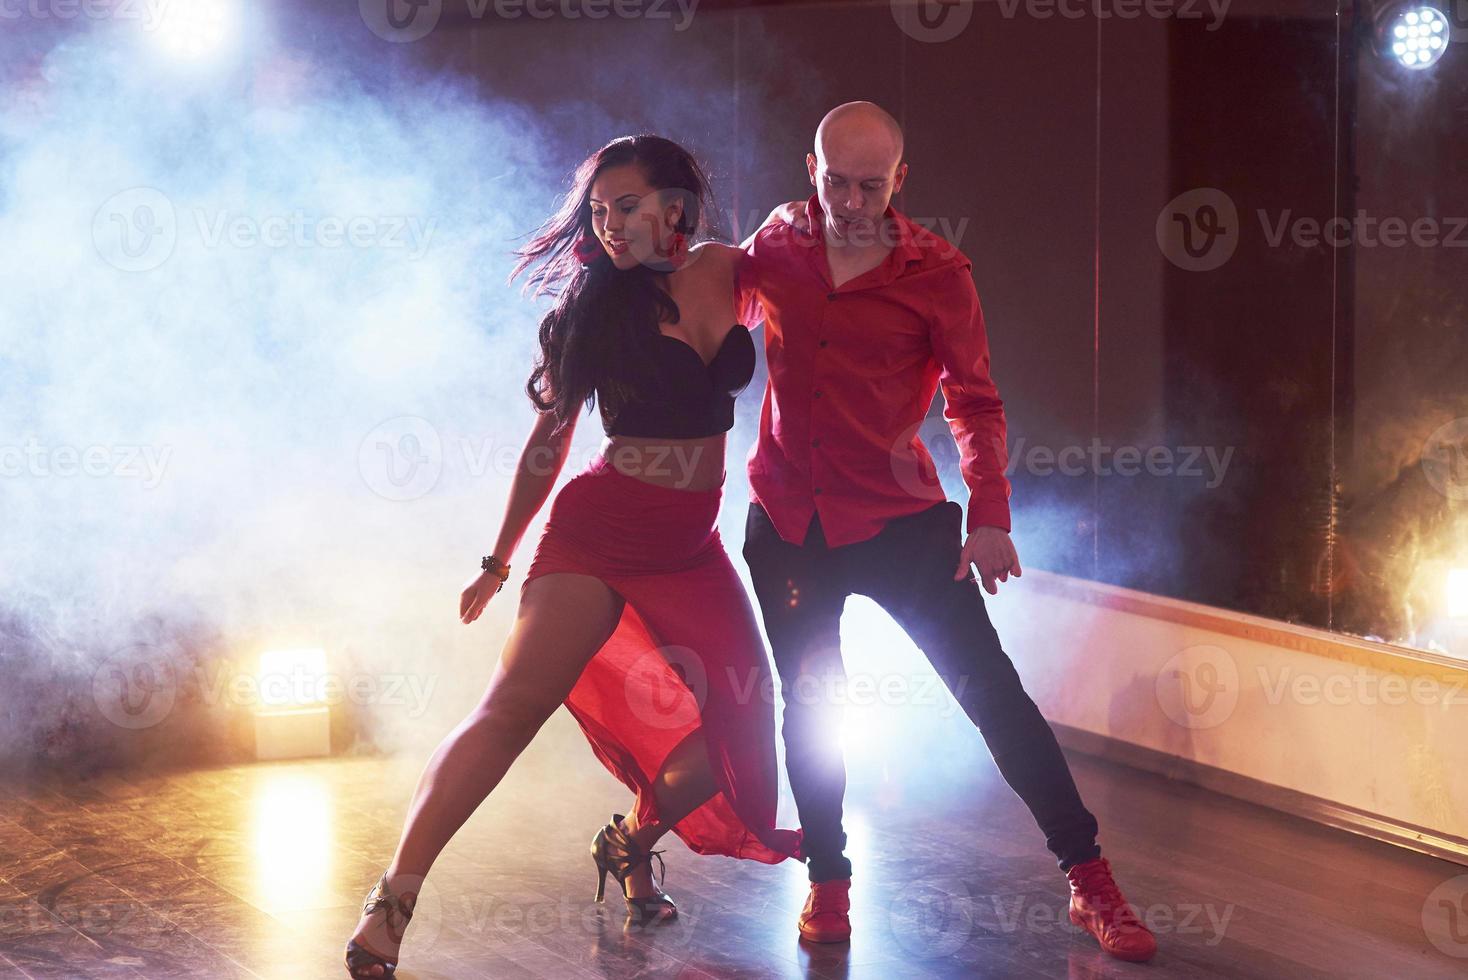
(686, 656)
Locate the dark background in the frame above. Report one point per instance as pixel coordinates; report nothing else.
(1047, 147)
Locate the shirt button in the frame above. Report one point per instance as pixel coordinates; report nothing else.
(818, 393)
(817, 490)
(823, 343)
(830, 296)
(815, 442)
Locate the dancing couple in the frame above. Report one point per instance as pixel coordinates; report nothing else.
(631, 596)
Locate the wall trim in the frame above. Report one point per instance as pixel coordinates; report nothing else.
(1251, 790)
(1385, 657)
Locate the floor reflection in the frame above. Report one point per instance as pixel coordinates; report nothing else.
(260, 870)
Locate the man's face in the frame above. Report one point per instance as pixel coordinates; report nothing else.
(854, 184)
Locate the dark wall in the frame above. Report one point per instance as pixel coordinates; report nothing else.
(1048, 149)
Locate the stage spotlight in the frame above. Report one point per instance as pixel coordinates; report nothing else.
(293, 719)
(191, 29)
(1413, 35)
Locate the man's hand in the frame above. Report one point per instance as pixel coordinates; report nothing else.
(990, 549)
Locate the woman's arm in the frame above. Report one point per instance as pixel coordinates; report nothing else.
(539, 465)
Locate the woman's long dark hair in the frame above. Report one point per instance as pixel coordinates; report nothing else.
(595, 340)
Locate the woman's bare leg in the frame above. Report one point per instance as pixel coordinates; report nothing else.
(562, 621)
(683, 784)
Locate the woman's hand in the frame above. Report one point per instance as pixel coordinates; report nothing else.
(793, 214)
(476, 596)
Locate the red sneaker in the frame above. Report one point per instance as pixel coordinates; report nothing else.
(1097, 906)
(824, 918)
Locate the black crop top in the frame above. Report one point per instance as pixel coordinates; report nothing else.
(693, 400)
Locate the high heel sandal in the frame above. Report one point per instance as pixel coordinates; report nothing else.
(380, 898)
(616, 853)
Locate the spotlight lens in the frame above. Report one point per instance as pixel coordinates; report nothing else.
(1413, 37)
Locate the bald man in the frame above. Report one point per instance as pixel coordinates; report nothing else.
(866, 314)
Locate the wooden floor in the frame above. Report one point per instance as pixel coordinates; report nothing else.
(258, 871)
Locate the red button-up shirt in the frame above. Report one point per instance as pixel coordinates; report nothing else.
(853, 371)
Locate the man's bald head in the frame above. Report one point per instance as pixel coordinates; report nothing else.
(856, 168)
(863, 125)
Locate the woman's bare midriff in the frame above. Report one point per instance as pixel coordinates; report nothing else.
(684, 464)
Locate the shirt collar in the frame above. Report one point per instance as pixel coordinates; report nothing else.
(905, 249)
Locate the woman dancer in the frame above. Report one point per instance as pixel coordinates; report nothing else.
(631, 613)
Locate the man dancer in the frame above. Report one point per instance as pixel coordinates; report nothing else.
(865, 314)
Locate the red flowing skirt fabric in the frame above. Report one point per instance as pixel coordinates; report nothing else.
(686, 656)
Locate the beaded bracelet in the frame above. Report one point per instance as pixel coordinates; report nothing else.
(499, 568)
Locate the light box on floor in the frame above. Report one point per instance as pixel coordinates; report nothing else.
(292, 720)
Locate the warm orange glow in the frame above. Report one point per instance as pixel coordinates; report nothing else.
(292, 842)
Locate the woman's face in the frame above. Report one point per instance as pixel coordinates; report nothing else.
(633, 222)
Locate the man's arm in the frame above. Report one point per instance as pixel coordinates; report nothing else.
(747, 307)
(973, 408)
(789, 213)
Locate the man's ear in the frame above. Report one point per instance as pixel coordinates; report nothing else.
(810, 167)
(899, 177)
